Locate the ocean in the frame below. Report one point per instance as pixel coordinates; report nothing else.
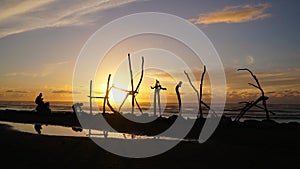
(283, 112)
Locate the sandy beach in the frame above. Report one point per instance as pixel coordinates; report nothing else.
(249, 144)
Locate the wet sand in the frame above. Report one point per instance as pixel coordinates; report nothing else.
(250, 144)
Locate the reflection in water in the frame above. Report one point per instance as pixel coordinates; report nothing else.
(45, 129)
(38, 128)
(77, 132)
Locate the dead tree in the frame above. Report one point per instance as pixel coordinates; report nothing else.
(199, 93)
(133, 92)
(250, 104)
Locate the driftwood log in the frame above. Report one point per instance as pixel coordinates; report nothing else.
(199, 93)
(251, 104)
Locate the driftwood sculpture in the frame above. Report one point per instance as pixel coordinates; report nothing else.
(251, 104)
(133, 91)
(157, 87)
(199, 93)
(105, 133)
(178, 96)
(99, 97)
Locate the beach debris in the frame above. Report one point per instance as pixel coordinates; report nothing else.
(157, 87)
(133, 92)
(251, 104)
(43, 107)
(199, 93)
(178, 96)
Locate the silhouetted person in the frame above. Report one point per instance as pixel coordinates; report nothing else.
(38, 128)
(39, 100)
(178, 95)
(157, 88)
(41, 105)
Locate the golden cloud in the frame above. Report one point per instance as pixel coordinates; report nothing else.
(234, 14)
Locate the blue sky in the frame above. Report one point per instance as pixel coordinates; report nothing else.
(40, 41)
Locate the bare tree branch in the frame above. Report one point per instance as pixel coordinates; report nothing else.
(196, 91)
(254, 85)
(199, 95)
(141, 78)
(262, 98)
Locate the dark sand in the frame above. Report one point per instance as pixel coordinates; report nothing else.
(251, 144)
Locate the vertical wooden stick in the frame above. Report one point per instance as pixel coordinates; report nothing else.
(200, 95)
(132, 87)
(196, 91)
(154, 102)
(91, 88)
(106, 93)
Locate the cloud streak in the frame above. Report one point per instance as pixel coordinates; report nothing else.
(234, 14)
(62, 91)
(16, 91)
(21, 16)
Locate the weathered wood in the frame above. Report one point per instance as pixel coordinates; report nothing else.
(157, 87)
(91, 88)
(200, 96)
(106, 93)
(133, 91)
(199, 93)
(132, 87)
(262, 98)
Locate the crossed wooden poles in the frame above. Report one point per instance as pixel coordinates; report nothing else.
(133, 92)
(99, 97)
(262, 99)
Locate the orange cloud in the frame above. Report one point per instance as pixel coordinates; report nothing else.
(234, 14)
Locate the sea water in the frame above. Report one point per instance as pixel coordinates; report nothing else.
(283, 113)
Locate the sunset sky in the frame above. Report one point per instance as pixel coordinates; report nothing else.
(41, 40)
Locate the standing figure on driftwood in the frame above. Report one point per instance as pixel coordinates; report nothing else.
(41, 105)
(178, 96)
(157, 89)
